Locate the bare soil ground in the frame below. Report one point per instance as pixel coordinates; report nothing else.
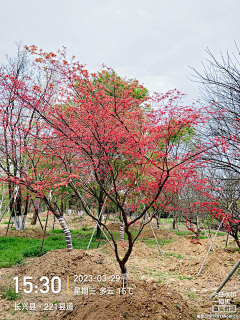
(163, 287)
(32, 234)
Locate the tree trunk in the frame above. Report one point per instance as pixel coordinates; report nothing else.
(122, 231)
(16, 212)
(238, 243)
(198, 233)
(174, 224)
(62, 223)
(25, 212)
(209, 229)
(12, 207)
(100, 205)
(34, 218)
(66, 231)
(19, 222)
(158, 224)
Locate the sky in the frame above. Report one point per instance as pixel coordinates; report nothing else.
(153, 41)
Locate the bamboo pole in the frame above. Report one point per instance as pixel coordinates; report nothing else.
(151, 226)
(210, 247)
(207, 235)
(37, 215)
(226, 279)
(39, 221)
(92, 236)
(43, 237)
(227, 239)
(13, 195)
(8, 225)
(155, 238)
(166, 235)
(53, 221)
(100, 215)
(1, 199)
(97, 221)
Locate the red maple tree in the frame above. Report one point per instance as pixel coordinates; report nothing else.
(132, 146)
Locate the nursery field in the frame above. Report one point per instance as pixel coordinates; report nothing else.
(159, 287)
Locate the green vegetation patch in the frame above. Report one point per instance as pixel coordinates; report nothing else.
(9, 293)
(151, 243)
(14, 251)
(173, 254)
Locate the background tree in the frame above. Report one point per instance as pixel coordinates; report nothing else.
(220, 94)
(24, 159)
(12, 137)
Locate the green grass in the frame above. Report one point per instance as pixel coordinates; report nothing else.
(184, 278)
(151, 243)
(237, 303)
(191, 296)
(56, 231)
(202, 235)
(232, 250)
(173, 254)
(10, 294)
(14, 250)
(86, 228)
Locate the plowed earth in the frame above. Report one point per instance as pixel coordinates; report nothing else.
(161, 286)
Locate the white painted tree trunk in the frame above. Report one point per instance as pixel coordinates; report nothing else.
(18, 222)
(122, 231)
(67, 233)
(23, 222)
(1, 200)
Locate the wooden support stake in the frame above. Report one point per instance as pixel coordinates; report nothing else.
(97, 224)
(210, 247)
(37, 215)
(43, 236)
(13, 195)
(226, 279)
(207, 235)
(53, 222)
(92, 236)
(39, 221)
(155, 238)
(227, 239)
(8, 224)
